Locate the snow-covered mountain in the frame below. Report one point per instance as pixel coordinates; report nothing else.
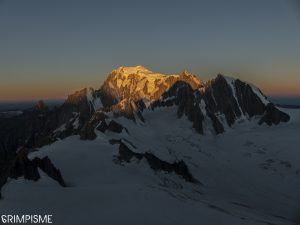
(139, 83)
(155, 149)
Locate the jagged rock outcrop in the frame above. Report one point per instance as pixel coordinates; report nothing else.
(88, 132)
(182, 95)
(249, 102)
(129, 109)
(101, 122)
(273, 115)
(47, 167)
(220, 97)
(76, 104)
(30, 129)
(178, 167)
(115, 127)
(234, 98)
(40, 125)
(223, 100)
(24, 167)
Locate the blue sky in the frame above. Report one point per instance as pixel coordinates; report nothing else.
(51, 48)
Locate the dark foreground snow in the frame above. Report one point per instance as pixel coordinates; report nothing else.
(250, 175)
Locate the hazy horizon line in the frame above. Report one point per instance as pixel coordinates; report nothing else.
(64, 98)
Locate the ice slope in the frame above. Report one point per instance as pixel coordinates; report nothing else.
(250, 175)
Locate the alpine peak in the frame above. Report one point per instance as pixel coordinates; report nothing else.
(139, 82)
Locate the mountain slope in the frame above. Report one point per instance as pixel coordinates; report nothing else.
(238, 183)
(217, 103)
(220, 102)
(184, 146)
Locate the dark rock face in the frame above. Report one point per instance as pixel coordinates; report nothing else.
(76, 103)
(140, 104)
(179, 167)
(102, 126)
(24, 167)
(189, 106)
(125, 154)
(35, 127)
(220, 98)
(98, 122)
(129, 109)
(249, 102)
(273, 116)
(182, 95)
(217, 125)
(47, 166)
(88, 132)
(108, 99)
(224, 101)
(31, 129)
(115, 127)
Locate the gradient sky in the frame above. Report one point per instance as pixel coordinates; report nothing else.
(50, 48)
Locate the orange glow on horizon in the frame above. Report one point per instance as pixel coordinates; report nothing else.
(39, 93)
(291, 90)
(280, 89)
(24, 90)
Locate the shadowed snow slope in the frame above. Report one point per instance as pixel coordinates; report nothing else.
(249, 175)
